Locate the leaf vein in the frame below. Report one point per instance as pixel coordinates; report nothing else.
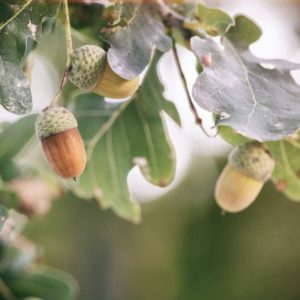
(112, 166)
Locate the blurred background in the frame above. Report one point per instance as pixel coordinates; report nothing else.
(184, 248)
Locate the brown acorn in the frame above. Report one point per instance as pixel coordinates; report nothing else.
(56, 127)
(249, 167)
(90, 71)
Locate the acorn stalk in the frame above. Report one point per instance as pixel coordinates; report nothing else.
(249, 167)
(90, 71)
(56, 127)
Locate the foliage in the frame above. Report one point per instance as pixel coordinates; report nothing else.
(136, 125)
(132, 45)
(19, 279)
(267, 98)
(20, 28)
(255, 98)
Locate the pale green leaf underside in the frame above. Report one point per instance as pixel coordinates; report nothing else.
(132, 46)
(15, 93)
(21, 25)
(257, 102)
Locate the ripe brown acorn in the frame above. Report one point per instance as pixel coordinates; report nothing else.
(249, 167)
(90, 71)
(56, 127)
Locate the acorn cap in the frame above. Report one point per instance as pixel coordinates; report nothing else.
(87, 64)
(53, 120)
(253, 160)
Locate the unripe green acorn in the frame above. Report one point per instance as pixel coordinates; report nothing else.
(56, 127)
(90, 71)
(249, 167)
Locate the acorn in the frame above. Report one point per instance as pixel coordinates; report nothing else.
(90, 71)
(249, 167)
(56, 127)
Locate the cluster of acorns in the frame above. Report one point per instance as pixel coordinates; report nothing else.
(249, 166)
(56, 126)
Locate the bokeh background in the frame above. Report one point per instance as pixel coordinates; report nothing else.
(184, 248)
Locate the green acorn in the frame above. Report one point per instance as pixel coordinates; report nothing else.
(249, 167)
(91, 71)
(56, 127)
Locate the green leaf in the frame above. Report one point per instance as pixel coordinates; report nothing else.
(3, 216)
(14, 137)
(21, 25)
(132, 45)
(214, 21)
(6, 12)
(119, 137)
(171, 110)
(256, 101)
(244, 33)
(231, 136)
(9, 170)
(46, 283)
(9, 199)
(286, 175)
(17, 255)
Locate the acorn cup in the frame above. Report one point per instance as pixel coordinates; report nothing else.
(90, 71)
(56, 127)
(249, 167)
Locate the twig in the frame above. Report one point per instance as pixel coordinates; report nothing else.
(16, 14)
(56, 98)
(69, 45)
(166, 10)
(5, 291)
(172, 19)
(68, 32)
(198, 120)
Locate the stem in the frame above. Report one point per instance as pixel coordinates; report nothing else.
(56, 98)
(172, 19)
(69, 45)
(198, 120)
(5, 291)
(15, 15)
(166, 10)
(68, 32)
